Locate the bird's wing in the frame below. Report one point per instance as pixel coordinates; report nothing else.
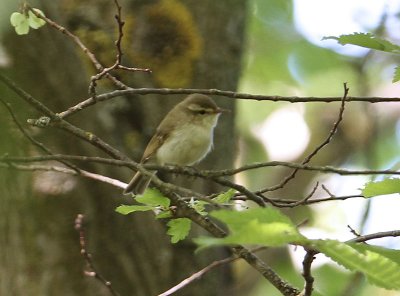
(155, 142)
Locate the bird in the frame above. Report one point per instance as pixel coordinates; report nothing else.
(184, 137)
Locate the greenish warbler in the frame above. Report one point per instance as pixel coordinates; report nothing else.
(184, 137)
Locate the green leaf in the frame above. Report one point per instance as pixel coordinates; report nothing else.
(393, 255)
(20, 23)
(377, 265)
(199, 207)
(178, 229)
(153, 197)
(127, 209)
(396, 76)
(387, 186)
(263, 226)
(366, 40)
(164, 215)
(225, 196)
(34, 21)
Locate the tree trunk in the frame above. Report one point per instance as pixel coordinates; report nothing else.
(186, 45)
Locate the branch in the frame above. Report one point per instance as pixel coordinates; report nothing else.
(79, 220)
(216, 92)
(10, 162)
(333, 131)
(31, 139)
(308, 278)
(64, 170)
(117, 63)
(80, 44)
(184, 210)
(193, 172)
(54, 120)
(310, 256)
(203, 271)
(197, 275)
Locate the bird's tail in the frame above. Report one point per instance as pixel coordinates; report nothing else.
(138, 184)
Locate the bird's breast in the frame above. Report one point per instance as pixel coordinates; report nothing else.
(186, 145)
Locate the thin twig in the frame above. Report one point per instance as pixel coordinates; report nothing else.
(200, 273)
(92, 271)
(82, 46)
(117, 63)
(64, 170)
(36, 143)
(328, 139)
(215, 92)
(306, 198)
(192, 172)
(353, 231)
(308, 278)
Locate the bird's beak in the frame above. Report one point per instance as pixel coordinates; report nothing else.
(221, 110)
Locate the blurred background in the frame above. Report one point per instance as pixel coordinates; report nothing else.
(269, 47)
(285, 55)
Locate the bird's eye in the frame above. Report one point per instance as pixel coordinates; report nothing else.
(202, 112)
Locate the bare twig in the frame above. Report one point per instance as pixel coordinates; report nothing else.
(229, 94)
(64, 170)
(305, 199)
(308, 278)
(192, 172)
(328, 139)
(353, 231)
(92, 271)
(117, 63)
(33, 140)
(203, 271)
(11, 162)
(327, 190)
(82, 46)
(197, 275)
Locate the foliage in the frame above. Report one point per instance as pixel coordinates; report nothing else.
(178, 228)
(25, 20)
(387, 186)
(381, 266)
(264, 226)
(269, 227)
(368, 40)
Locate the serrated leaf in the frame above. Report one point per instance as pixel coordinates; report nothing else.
(20, 23)
(34, 21)
(387, 186)
(153, 197)
(127, 209)
(396, 76)
(178, 229)
(377, 266)
(265, 226)
(225, 196)
(393, 255)
(366, 40)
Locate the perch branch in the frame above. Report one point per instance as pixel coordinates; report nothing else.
(229, 94)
